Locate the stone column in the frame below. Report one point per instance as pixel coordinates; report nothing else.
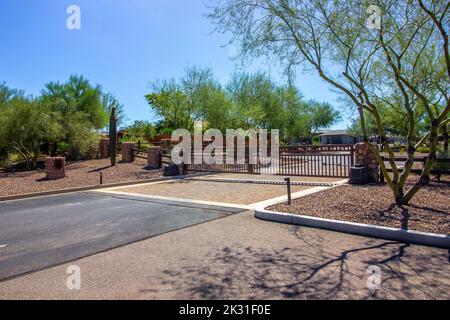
(55, 168)
(127, 151)
(365, 156)
(154, 157)
(104, 148)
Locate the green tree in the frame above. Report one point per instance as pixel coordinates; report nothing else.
(407, 57)
(109, 101)
(141, 129)
(25, 125)
(80, 111)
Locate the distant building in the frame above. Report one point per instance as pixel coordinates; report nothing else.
(338, 137)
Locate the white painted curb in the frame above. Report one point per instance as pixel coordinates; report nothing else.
(422, 238)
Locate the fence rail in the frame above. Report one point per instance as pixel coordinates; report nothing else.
(421, 160)
(302, 160)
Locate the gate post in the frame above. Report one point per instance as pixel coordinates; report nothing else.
(366, 157)
(154, 157)
(128, 152)
(104, 148)
(55, 168)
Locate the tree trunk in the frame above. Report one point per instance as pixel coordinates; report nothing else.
(446, 137)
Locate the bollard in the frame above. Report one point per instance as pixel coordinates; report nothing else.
(101, 178)
(288, 183)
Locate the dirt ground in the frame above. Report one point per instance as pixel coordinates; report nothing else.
(429, 210)
(79, 174)
(238, 193)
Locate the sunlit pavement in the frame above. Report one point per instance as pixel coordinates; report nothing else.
(239, 256)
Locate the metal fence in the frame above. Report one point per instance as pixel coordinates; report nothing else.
(318, 161)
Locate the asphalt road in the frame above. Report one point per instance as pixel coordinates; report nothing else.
(240, 257)
(43, 232)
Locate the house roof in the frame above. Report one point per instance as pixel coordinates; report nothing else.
(335, 133)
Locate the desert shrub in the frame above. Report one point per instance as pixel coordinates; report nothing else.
(84, 145)
(166, 131)
(62, 148)
(423, 149)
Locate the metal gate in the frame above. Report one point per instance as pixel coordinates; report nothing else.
(304, 160)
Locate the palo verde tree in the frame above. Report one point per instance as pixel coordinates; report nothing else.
(406, 55)
(25, 125)
(78, 106)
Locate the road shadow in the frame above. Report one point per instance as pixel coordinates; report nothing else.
(307, 271)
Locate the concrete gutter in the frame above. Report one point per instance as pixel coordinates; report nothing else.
(422, 238)
(368, 230)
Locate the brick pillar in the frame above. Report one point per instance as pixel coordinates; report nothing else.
(55, 168)
(104, 148)
(127, 151)
(365, 156)
(154, 157)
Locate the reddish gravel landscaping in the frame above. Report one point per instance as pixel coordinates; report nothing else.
(429, 211)
(79, 174)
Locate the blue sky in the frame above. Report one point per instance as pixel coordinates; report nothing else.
(123, 45)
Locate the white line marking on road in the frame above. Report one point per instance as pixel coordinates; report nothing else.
(3, 245)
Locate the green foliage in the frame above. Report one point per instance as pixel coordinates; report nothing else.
(76, 95)
(24, 127)
(62, 148)
(81, 108)
(140, 130)
(63, 119)
(423, 150)
(84, 145)
(109, 101)
(247, 101)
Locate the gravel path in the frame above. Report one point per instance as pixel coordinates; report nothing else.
(79, 174)
(429, 210)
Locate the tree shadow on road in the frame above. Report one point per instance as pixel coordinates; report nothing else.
(308, 270)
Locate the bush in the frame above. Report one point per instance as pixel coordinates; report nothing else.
(62, 148)
(84, 146)
(423, 149)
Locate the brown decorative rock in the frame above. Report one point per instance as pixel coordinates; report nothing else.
(55, 168)
(127, 151)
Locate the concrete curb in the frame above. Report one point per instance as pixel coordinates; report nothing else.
(93, 187)
(422, 238)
